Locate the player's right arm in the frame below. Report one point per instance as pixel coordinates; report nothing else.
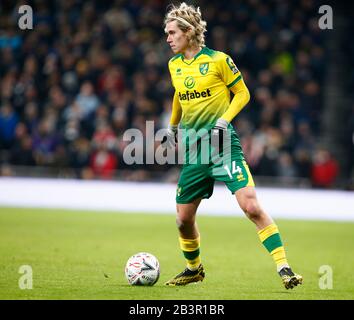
(170, 139)
(176, 111)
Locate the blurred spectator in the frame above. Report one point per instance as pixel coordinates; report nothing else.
(8, 122)
(104, 137)
(80, 154)
(45, 143)
(31, 116)
(285, 166)
(21, 151)
(324, 171)
(103, 162)
(86, 101)
(303, 162)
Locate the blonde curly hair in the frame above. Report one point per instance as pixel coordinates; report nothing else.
(189, 20)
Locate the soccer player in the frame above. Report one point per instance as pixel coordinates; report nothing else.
(202, 79)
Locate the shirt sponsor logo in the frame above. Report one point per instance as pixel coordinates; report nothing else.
(190, 95)
(189, 82)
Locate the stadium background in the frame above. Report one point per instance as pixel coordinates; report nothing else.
(90, 70)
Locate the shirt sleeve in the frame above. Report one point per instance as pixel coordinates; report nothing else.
(176, 113)
(229, 73)
(239, 101)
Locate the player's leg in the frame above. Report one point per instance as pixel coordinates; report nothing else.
(189, 240)
(268, 233)
(234, 171)
(189, 237)
(248, 202)
(193, 186)
(238, 179)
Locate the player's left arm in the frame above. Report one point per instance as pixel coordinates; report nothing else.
(238, 102)
(232, 78)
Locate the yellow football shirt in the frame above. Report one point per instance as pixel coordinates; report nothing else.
(202, 85)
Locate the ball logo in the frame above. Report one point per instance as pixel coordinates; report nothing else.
(189, 82)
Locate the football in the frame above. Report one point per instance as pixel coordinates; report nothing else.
(142, 269)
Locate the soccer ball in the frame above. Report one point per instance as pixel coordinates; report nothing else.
(142, 269)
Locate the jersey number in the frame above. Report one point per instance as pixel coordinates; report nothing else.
(234, 169)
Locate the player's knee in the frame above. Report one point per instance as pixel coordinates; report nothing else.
(184, 222)
(252, 209)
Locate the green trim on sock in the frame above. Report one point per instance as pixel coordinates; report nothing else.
(273, 242)
(191, 255)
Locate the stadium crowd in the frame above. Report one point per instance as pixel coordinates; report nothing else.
(90, 70)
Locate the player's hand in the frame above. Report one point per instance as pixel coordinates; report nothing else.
(170, 139)
(218, 132)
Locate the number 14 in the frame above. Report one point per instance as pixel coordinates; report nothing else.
(234, 169)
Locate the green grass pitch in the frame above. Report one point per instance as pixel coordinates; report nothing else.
(81, 255)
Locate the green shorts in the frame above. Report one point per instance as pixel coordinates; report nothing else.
(197, 179)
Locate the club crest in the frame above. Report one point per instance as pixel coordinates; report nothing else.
(204, 68)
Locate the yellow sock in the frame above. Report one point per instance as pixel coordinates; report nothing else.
(191, 252)
(270, 238)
